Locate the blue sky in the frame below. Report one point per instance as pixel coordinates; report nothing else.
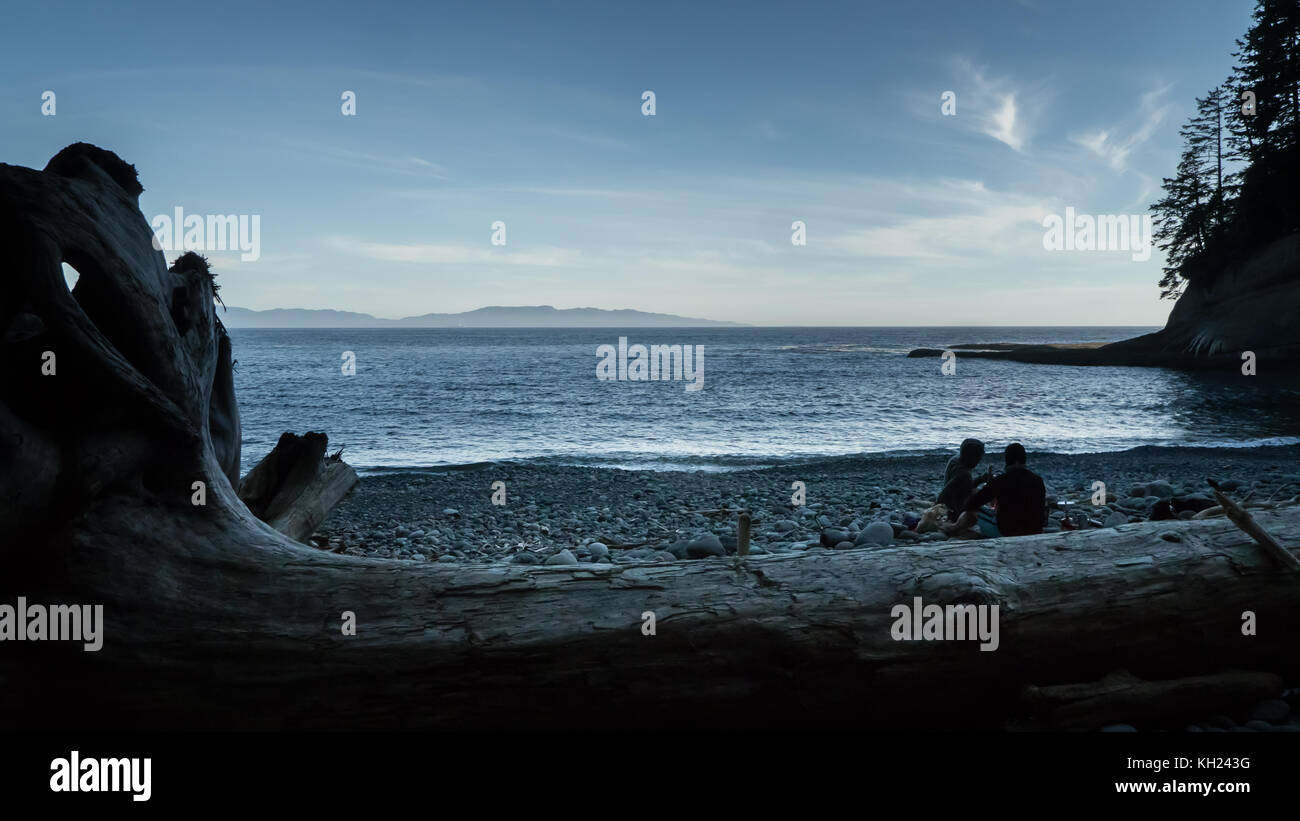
(530, 113)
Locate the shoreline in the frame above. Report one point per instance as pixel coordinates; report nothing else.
(728, 464)
(600, 514)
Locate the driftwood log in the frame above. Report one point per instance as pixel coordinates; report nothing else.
(1242, 519)
(1123, 697)
(294, 487)
(213, 619)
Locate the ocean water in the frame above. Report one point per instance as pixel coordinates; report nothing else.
(438, 397)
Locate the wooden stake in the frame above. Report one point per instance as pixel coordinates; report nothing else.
(742, 535)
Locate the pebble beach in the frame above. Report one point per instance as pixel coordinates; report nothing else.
(571, 514)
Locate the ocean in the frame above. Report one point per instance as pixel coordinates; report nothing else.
(424, 398)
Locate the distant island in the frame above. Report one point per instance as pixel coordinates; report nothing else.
(495, 316)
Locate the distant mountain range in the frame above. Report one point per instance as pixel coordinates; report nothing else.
(539, 316)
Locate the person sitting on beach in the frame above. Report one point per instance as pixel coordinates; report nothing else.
(958, 480)
(1020, 496)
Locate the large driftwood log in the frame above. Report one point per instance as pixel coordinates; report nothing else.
(214, 619)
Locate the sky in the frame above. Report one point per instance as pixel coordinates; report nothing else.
(531, 114)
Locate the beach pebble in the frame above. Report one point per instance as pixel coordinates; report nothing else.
(1171, 536)
(598, 549)
(563, 557)
(1194, 501)
(525, 558)
(450, 511)
(784, 526)
(877, 533)
(1160, 488)
(677, 548)
(1115, 520)
(704, 546)
(832, 536)
(845, 545)
(908, 535)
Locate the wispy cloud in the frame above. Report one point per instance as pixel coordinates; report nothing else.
(1002, 126)
(1114, 145)
(452, 254)
(397, 163)
(996, 106)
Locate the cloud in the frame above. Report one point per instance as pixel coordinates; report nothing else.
(1114, 147)
(996, 105)
(1001, 125)
(446, 254)
(404, 164)
(1001, 229)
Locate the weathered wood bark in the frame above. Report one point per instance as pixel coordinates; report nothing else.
(1123, 697)
(296, 485)
(213, 619)
(1242, 519)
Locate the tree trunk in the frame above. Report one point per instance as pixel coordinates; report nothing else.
(215, 620)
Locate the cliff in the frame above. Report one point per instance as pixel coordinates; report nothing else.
(1251, 306)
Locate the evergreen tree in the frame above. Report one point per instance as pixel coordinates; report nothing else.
(1180, 221)
(1237, 185)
